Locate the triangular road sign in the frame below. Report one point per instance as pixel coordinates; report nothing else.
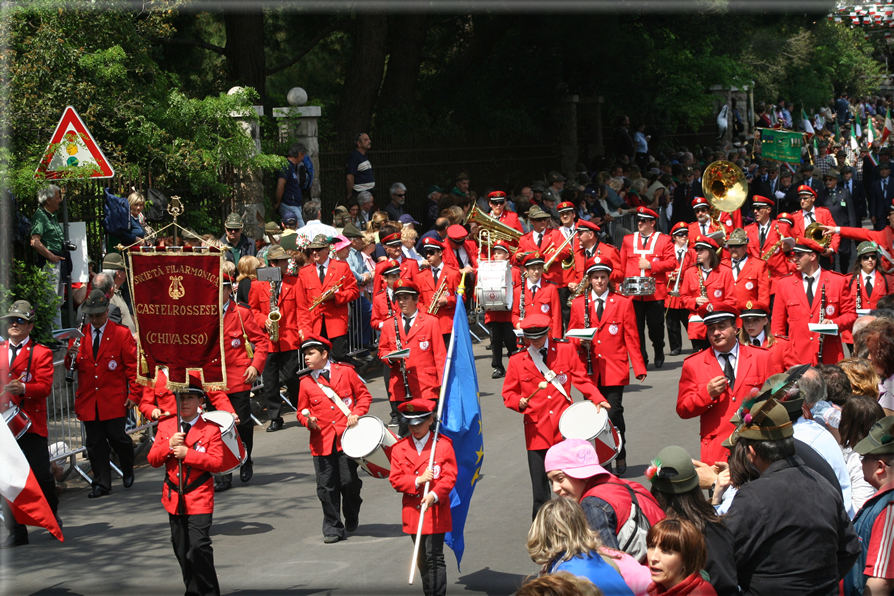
(78, 148)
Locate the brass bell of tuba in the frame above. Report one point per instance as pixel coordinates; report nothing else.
(815, 232)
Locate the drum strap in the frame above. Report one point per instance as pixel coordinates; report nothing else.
(331, 394)
(549, 375)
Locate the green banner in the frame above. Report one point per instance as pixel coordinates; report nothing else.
(781, 145)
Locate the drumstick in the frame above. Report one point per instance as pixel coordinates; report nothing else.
(540, 386)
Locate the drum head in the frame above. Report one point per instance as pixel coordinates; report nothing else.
(582, 421)
(363, 439)
(223, 419)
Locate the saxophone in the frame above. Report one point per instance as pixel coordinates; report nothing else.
(581, 288)
(701, 282)
(274, 316)
(70, 374)
(772, 250)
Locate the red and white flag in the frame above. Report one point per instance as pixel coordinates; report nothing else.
(888, 128)
(19, 486)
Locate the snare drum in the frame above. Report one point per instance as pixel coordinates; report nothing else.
(17, 421)
(639, 286)
(370, 443)
(583, 421)
(495, 285)
(235, 453)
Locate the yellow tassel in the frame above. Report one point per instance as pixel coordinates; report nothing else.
(248, 349)
(144, 366)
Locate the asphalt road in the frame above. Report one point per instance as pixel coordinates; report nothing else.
(267, 535)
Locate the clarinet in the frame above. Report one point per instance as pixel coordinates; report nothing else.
(859, 297)
(403, 361)
(819, 358)
(70, 375)
(587, 325)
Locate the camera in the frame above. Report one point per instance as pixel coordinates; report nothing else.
(69, 246)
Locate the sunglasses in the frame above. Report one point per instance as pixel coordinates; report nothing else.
(18, 321)
(869, 258)
(683, 234)
(429, 253)
(701, 209)
(400, 195)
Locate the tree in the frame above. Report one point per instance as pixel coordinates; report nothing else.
(363, 76)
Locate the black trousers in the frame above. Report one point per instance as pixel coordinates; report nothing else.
(501, 335)
(101, 435)
(844, 261)
(339, 345)
(614, 394)
(446, 337)
(651, 313)
(241, 402)
(432, 567)
(192, 546)
(699, 344)
(338, 488)
(539, 481)
(676, 320)
(280, 366)
(564, 295)
(35, 449)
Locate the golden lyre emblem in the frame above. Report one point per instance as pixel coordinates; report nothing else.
(176, 290)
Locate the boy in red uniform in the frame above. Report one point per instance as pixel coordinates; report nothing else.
(331, 399)
(409, 473)
(198, 445)
(500, 321)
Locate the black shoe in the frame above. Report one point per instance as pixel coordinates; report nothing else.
(352, 525)
(498, 373)
(14, 540)
(395, 421)
(659, 361)
(620, 466)
(222, 486)
(246, 472)
(331, 539)
(487, 347)
(99, 491)
(275, 425)
(676, 351)
(127, 481)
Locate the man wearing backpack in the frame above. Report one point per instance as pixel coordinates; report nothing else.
(621, 511)
(293, 178)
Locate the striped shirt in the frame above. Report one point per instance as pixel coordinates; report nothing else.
(880, 553)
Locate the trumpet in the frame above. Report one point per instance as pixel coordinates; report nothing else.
(325, 295)
(562, 246)
(274, 316)
(70, 374)
(442, 287)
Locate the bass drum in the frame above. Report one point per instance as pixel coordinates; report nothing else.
(235, 453)
(370, 443)
(494, 290)
(583, 421)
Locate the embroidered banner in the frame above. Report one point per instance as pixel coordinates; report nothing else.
(781, 145)
(176, 303)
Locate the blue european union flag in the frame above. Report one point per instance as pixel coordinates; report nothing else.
(461, 421)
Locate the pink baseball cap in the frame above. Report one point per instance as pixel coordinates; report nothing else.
(574, 457)
(341, 242)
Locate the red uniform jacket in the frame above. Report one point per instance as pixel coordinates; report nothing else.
(570, 275)
(334, 311)
(661, 256)
(205, 455)
(38, 380)
(406, 465)
(881, 284)
(409, 269)
(884, 238)
(726, 226)
(105, 384)
(753, 284)
(471, 249)
(546, 301)
(822, 216)
(782, 356)
(606, 253)
(545, 408)
(552, 240)
(688, 260)
(235, 356)
(792, 313)
(427, 355)
(720, 290)
(510, 219)
(504, 316)
(294, 320)
(777, 263)
(427, 286)
(616, 343)
(752, 369)
(163, 398)
(380, 308)
(348, 386)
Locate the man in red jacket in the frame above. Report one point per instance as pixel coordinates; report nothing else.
(330, 399)
(546, 241)
(410, 472)
(196, 444)
(321, 275)
(534, 294)
(538, 385)
(497, 202)
(438, 276)
(107, 387)
(245, 353)
(26, 378)
(810, 214)
(649, 253)
(750, 275)
(809, 296)
(715, 381)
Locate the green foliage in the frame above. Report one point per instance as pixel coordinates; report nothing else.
(34, 285)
